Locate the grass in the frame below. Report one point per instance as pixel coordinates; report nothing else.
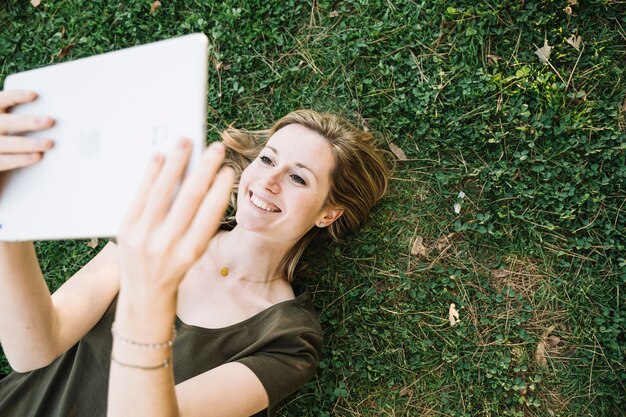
(538, 150)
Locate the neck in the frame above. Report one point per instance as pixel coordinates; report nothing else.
(250, 256)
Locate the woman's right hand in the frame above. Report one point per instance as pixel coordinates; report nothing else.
(18, 151)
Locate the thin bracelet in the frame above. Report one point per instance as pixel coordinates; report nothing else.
(131, 342)
(165, 364)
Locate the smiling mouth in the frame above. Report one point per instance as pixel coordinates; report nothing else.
(270, 208)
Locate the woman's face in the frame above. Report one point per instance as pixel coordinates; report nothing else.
(282, 192)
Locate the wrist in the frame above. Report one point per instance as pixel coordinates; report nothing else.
(145, 317)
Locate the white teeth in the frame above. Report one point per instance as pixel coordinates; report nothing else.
(261, 204)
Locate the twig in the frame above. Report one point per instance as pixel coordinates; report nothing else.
(573, 70)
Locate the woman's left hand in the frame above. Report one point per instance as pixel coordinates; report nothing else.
(163, 235)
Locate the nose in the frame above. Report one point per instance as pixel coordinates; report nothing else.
(271, 182)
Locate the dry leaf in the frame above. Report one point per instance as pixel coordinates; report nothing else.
(93, 242)
(500, 273)
(568, 10)
(334, 13)
(418, 248)
(399, 153)
(575, 41)
(572, 2)
(453, 315)
(541, 352)
(63, 52)
(544, 52)
(493, 59)
(444, 242)
(154, 6)
(35, 3)
(553, 341)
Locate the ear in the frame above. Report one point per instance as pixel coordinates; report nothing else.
(328, 216)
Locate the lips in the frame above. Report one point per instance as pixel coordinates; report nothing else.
(262, 204)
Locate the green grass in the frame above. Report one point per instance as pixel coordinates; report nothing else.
(538, 150)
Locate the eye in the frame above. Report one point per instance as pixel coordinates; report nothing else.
(265, 160)
(298, 179)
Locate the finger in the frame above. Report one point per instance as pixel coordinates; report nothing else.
(8, 162)
(23, 123)
(160, 196)
(137, 205)
(19, 144)
(210, 213)
(13, 97)
(193, 190)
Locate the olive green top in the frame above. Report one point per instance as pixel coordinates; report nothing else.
(281, 345)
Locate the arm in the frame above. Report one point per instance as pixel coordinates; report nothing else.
(35, 327)
(159, 240)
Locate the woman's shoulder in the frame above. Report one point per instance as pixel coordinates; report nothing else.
(295, 316)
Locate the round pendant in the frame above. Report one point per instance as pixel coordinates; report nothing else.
(224, 271)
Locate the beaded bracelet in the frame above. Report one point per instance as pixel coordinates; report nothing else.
(152, 346)
(164, 364)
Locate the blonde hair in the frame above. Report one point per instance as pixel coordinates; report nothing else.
(358, 180)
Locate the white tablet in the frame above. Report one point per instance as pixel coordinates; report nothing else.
(112, 112)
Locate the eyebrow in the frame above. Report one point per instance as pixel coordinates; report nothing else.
(298, 164)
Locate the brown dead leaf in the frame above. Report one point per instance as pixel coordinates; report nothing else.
(93, 242)
(500, 273)
(418, 248)
(445, 241)
(453, 315)
(572, 2)
(63, 52)
(154, 6)
(334, 13)
(35, 3)
(553, 341)
(544, 52)
(399, 153)
(493, 59)
(540, 354)
(575, 41)
(541, 351)
(406, 392)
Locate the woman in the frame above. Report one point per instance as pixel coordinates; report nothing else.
(175, 319)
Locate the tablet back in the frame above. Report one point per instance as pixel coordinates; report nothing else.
(112, 112)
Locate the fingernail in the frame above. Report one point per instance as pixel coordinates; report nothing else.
(184, 143)
(28, 95)
(217, 148)
(44, 121)
(46, 143)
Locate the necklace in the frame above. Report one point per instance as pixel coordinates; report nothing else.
(224, 270)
